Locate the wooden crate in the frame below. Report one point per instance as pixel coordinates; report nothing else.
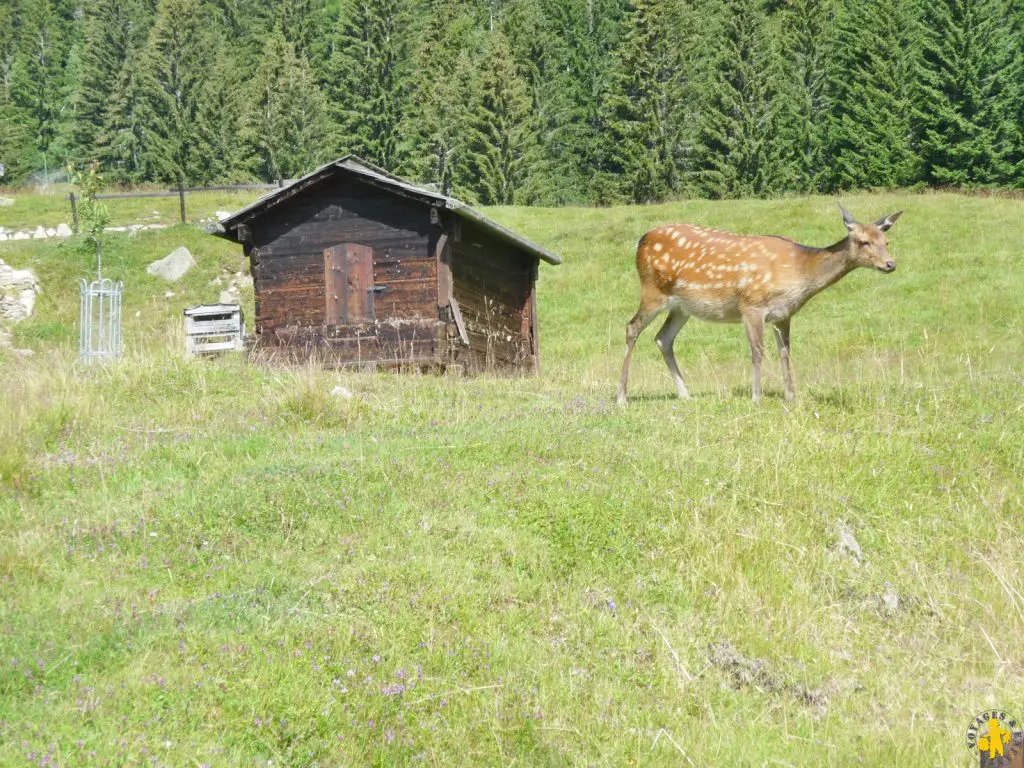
(213, 328)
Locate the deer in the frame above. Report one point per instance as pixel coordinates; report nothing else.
(691, 271)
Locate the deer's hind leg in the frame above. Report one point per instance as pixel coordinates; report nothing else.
(666, 339)
(649, 309)
(782, 340)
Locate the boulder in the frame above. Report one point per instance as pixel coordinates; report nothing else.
(63, 230)
(174, 266)
(18, 291)
(5, 201)
(20, 236)
(40, 233)
(51, 232)
(221, 215)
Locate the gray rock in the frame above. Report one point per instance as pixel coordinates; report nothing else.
(343, 392)
(20, 236)
(890, 600)
(23, 352)
(230, 296)
(174, 266)
(63, 230)
(40, 233)
(222, 214)
(6, 201)
(848, 545)
(18, 291)
(51, 232)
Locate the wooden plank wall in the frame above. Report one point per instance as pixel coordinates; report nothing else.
(289, 240)
(409, 343)
(493, 283)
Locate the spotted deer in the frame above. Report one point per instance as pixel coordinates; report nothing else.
(721, 277)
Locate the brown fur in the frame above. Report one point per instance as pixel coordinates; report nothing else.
(723, 277)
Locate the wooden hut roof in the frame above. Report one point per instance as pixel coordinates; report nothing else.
(371, 174)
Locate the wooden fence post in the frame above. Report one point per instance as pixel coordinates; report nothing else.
(74, 211)
(181, 199)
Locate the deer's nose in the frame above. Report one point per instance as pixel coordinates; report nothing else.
(890, 266)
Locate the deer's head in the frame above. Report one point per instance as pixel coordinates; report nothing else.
(868, 244)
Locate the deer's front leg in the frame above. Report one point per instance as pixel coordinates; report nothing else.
(754, 322)
(782, 339)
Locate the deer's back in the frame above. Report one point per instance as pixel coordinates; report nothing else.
(712, 274)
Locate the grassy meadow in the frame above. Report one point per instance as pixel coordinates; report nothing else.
(209, 563)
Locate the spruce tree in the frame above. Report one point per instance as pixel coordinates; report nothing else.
(111, 30)
(968, 98)
(645, 107)
(806, 40)
(435, 123)
(177, 63)
(585, 34)
(37, 77)
(227, 157)
(504, 162)
(15, 142)
(874, 80)
(739, 150)
(364, 79)
(287, 126)
(120, 145)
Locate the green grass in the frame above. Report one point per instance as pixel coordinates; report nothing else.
(31, 210)
(215, 563)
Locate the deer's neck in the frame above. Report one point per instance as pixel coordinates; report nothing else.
(826, 266)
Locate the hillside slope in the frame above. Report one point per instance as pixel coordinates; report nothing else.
(214, 563)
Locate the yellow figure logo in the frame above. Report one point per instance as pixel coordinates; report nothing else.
(995, 739)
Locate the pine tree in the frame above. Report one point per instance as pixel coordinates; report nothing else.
(645, 107)
(807, 38)
(37, 77)
(434, 126)
(287, 127)
(586, 37)
(178, 58)
(364, 79)
(301, 22)
(120, 145)
(873, 83)
(504, 162)
(739, 152)
(15, 142)
(227, 157)
(968, 98)
(111, 29)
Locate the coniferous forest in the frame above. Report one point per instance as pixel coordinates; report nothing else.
(521, 101)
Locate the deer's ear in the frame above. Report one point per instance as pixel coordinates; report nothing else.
(886, 222)
(848, 219)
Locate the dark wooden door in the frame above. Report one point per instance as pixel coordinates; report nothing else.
(348, 275)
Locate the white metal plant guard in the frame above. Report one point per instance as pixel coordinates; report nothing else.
(100, 320)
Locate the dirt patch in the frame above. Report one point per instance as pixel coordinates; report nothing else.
(755, 673)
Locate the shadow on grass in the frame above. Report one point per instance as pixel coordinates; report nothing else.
(836, 398)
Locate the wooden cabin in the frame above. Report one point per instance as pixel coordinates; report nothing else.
(353, 265)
